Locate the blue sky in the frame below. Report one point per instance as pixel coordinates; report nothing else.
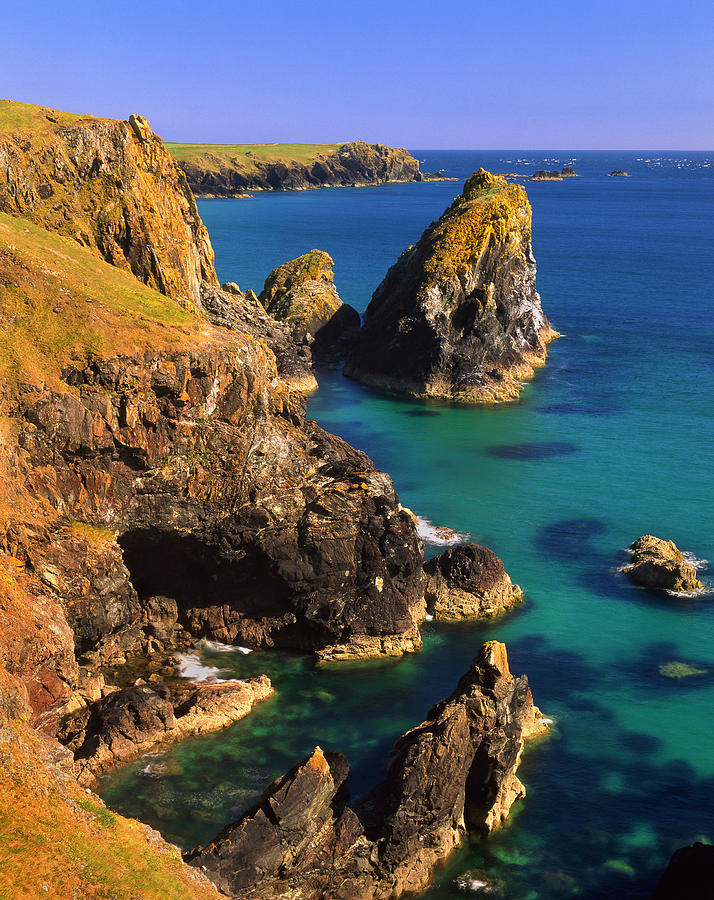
(519, 75)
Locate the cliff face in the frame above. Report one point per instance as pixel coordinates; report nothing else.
(111, 186)
(458, 316)
(456, 772)
(218, 172)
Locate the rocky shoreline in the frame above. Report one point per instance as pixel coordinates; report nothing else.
(214, 172)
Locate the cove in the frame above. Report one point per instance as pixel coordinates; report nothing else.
(626, 275)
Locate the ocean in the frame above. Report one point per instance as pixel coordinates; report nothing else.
(614, 438)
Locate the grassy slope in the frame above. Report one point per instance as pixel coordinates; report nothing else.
(246, 154)
(16, 116)
(59, 300)
(58, 841)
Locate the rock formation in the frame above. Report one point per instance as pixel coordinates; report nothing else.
(659, 564)
(689, 875)
(216, 171)
(458, 316)
(302, 294)
(133, 720)
(468, 581)
(568, 172)
(456, 772)
(111, 186)
(618, 173)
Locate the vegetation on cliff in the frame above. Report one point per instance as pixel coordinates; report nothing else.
(458, 316)
(229, 170)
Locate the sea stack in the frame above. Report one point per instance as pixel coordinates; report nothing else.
(660, 564)
(458, 316)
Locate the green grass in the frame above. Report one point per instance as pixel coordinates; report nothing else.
(247, 153)
(16, 116)
(59, 301)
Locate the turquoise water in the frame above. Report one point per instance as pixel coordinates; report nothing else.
(613, 438)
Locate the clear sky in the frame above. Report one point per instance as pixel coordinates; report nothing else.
(589, 74)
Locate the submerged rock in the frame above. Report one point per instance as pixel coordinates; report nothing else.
(678, 670)
(458, 317)
(456, 772)
(468, 581)
(689, 875)
(659, 564)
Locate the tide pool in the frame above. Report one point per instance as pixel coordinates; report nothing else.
(614, 438)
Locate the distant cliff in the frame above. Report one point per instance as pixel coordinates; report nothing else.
(223, 170)
(458, 317)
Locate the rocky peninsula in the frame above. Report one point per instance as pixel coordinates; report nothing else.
(225, 170)
(453, 774)
(458, 317)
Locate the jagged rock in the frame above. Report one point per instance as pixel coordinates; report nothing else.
(545, 175)
(134, 720)
(458, 316)
(453, 773)
(468, 581)
(243, 312)
(302, 294)
(357, 163)
(115, 187)
(568, 172)
(659, 564)
(689, 875)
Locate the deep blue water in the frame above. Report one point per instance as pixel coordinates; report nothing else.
(614, 438)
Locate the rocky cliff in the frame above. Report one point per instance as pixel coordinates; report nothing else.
(110, 185)
(454, 773)
(458, 316)
(225, 171)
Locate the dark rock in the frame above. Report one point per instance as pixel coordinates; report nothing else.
(355, 163)
(458, 316)
(618, 173)
(545, 175)
(468, 581)
(453, 773)
(568, 172)
(689, 875)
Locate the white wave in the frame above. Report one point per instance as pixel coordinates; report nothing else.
(191, 668)
(428, 618)
(695, 561)
(218, 647)
(544, 720)
(472, 883)
(438, 535)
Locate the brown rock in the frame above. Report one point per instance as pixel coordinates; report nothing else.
(468, 581)
(453, 773)
(659, 564)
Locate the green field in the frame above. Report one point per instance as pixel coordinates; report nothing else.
(247, 153)
(23, 116)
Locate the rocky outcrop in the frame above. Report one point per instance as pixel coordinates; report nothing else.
(302, 294)
(221, 172)
(112, 186)
(468, 581)
(689, 875)
(618, 173)
(458, 316)
(454, 773)
(545, 175)
(568, 172)
(133, 720)
(659, 564)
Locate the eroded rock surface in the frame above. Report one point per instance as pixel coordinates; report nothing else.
(659, 564)
(112, 186)
(456, 772)
(355, 163)
(133, 720)
(302, 294)
(468, 581)
(458, 317)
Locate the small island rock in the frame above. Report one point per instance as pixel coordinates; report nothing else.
(660, 564)
(458, 317)
(618, 173)
(468, 581)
